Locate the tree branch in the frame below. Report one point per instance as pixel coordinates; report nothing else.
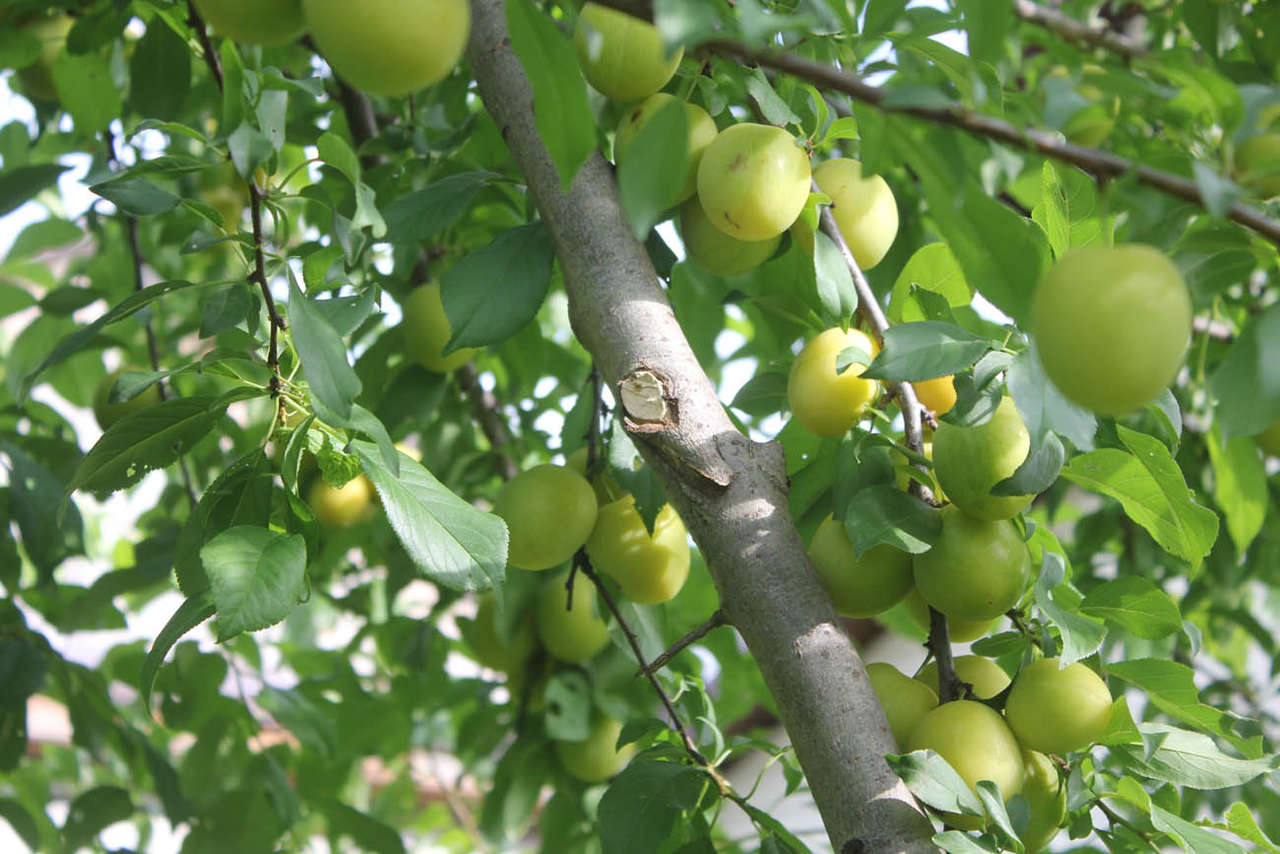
(1073, 30)
(713, 622)
(206, 46)
(1102, 165)
(487, 412)
(276, 322)
(730, 491)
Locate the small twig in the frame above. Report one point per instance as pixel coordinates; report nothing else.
(716, 620)
(487, 412)
(593, 425)
(949, 685)
(1077, 31)
(260, 276)
(206, 46)
(1102, 165)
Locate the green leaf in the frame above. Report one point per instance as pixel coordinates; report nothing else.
(1042, 406)
(424, 213)
(314, 726)
(23, 183)
(1149, 486)
(1171, 687)
(1135, 604)
(933, 268)
(36, 494)
(191, 613)
(641, 805)
(92, 812)
(335, 152)
(1051, 212)
(885, 514)
(367, 832)
(959, 842)
(223, 307)
(932, 779)
(137, 196)
(1247, 383)
(997, 816)
(568, 716)
(561, 109)
(651, 177)
(257, 577)
(1192, 838)
(160, 72)
(324, 355)
(20, 822)
(1037, 472)
(1242, 823)
(764, 394)
(1239, 486)
(926, 349)
(87, 91)
(450, 541)
(836, 294)
(494, 292)
(1190, 759)
(1081, 636)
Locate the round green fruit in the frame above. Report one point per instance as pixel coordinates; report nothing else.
(937, 395)
(650, 568)
(108, 413)
(1111, 325)
(549, 511)
(716, 252)
(753, 181)
(970, 461)
(1058, 710)
(976, 570)
(597, 757)
(269, 22)
(622, 56)
(390, 47)
(343, 506)
(702, 130)
(859, 587)
(825, 402)
(958, 631)
(1258, 164)
(986, 677)
(905, 700)
(488, 648)
(37, 78)
(571, 636)
(863, 207)
(976, 742)
(427, 331)
(1269, 440)
(1047, 796)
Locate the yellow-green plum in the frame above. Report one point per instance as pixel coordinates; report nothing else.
(969, 461)
(488, 648)
(859, 587)
(958, 631)
(1046, 796)
(825, 402)
(863, 207)
(977, 743)
(37, 78)
(341, 506)
(937, 395)
(1269, 440)
(268, 22)
(716, 252)
(390, 47)
(650, 568)
(1058, 710)
(986, 677)
(905, 700)
(549, 511)
(622, 56)
(571, 636)
(1111, 325)
(427, 331)
(753, 181)
(976, 570)
(596, 758)
(107, 413)
(701, 131)
(1258, 164)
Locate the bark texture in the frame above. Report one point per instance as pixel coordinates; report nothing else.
(731, 491)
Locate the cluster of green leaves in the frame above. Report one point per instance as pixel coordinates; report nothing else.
(1142, 582)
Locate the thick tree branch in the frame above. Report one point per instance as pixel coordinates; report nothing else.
(731, 492)
(1073, 30)
(1101, 164)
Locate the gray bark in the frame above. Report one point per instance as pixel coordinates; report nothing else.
(730, 491)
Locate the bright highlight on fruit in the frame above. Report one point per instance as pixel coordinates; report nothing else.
(970, 461)
(650, 568)
(863, 207)
(268, 22)
(1111, 325)
(976, 570)
(1058, 710)
(427, 331)
(702, 130)
(622, 56)
(390, 47)
(549, 511)
(825, 402)
(859, 587)
(573, 636)
(753, 181)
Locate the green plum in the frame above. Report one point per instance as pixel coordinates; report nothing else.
(1056, 709)
(550, 511)
(753, 181)
(969, 461)
(986, 677)
(573, 636)
(905, 700)
(716, 252)
(622, 56)
(976, 570)
(859, 587)
(702, 130)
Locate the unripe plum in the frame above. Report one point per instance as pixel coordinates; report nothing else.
(108, 413)
(716, 252)
(269, 22)
(976, 570)
(986, 677)
(1047, 796)
(549, 511)
(970, 461)
(573, 636)
(976, 742)
(342, 506)
(621, 55)
(863, 207)
(1058, 710)
(596, 758)
(825, 402)
(650, 568)
(958, 631)
(937, 395)
(859, 587)
(905, 700)
(753, 181)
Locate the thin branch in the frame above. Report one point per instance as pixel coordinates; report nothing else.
(698, 633)
(206, 46)
(487, 411)
(597, 413)
(1101, 164)
(1073, 30)
(260, 276)
(949, 685)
